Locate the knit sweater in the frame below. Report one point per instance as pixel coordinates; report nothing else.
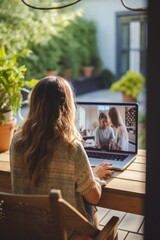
(68, 170)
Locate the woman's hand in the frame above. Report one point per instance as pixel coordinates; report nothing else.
(103, 170)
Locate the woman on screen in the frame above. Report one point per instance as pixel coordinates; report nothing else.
(121, 134)
(104, 132)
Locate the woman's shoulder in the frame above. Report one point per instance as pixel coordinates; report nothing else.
(110, 128)
(97, 129)
(16, 136)
(122, 129)
(69, 152)
(75, 146)
(78, 148)
(78, 144)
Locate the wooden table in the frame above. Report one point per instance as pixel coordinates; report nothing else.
(5, 176)
(125, 190)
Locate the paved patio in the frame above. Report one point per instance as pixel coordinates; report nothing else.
(131, 226)
(103, 95)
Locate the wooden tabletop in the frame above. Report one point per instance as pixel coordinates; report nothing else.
(125, 190)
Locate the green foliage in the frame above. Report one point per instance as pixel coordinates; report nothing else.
(107, 78)
(71, 48)
(12, 81)
(44, 57)
(141, 118)
(130, 83)
(141, 130)
(59, 39)
(84, 35)
(142, 138)
(21, 26)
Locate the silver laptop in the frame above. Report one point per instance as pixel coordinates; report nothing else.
(87, 122)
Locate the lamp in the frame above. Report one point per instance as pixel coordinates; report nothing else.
(132, 9)
(57, 4)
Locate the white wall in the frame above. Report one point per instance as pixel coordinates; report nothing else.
(103, 12)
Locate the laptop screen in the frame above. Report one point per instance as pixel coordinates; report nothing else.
(108, 126)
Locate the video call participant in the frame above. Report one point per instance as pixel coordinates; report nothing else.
(104, 133)
(121, 141)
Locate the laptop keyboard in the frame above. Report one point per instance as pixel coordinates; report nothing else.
(108, 156)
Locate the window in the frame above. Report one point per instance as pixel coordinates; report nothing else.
(80, 118)
(131, 43)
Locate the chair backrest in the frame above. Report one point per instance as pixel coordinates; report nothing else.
(40, 217)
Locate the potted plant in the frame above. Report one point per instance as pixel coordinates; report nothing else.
(12, 83)
(86, 45)
(44, 59)
(66, 64)
(130, 84)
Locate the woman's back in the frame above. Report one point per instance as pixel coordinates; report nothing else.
(68, 170)
(47, 152)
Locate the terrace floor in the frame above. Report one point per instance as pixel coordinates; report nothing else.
(103, 95)
(131, 226)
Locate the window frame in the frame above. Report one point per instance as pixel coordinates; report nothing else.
(142, 17)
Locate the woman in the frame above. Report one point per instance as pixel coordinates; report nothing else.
(121, 135)
(47, 152)
(104, 133)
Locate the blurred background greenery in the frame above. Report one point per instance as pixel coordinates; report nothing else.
(58, 40)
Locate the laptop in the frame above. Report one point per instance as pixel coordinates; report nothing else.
(114, 152)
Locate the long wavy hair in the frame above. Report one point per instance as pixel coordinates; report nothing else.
(51, 117)
(115, 117)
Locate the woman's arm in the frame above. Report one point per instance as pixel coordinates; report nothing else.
(86, 183)
(93, 196)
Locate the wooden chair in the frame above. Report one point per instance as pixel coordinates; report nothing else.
(45, 217)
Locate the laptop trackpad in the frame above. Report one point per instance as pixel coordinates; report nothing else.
(97, 161)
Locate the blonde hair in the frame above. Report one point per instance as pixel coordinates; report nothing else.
(51, 117)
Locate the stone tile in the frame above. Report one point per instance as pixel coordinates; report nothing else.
(134, 236)
(141, 230)
(122, 234)
(131, 226)
(102, 212)
(110, 214)
(131, 222)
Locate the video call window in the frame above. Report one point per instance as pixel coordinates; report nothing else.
(87, 122)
